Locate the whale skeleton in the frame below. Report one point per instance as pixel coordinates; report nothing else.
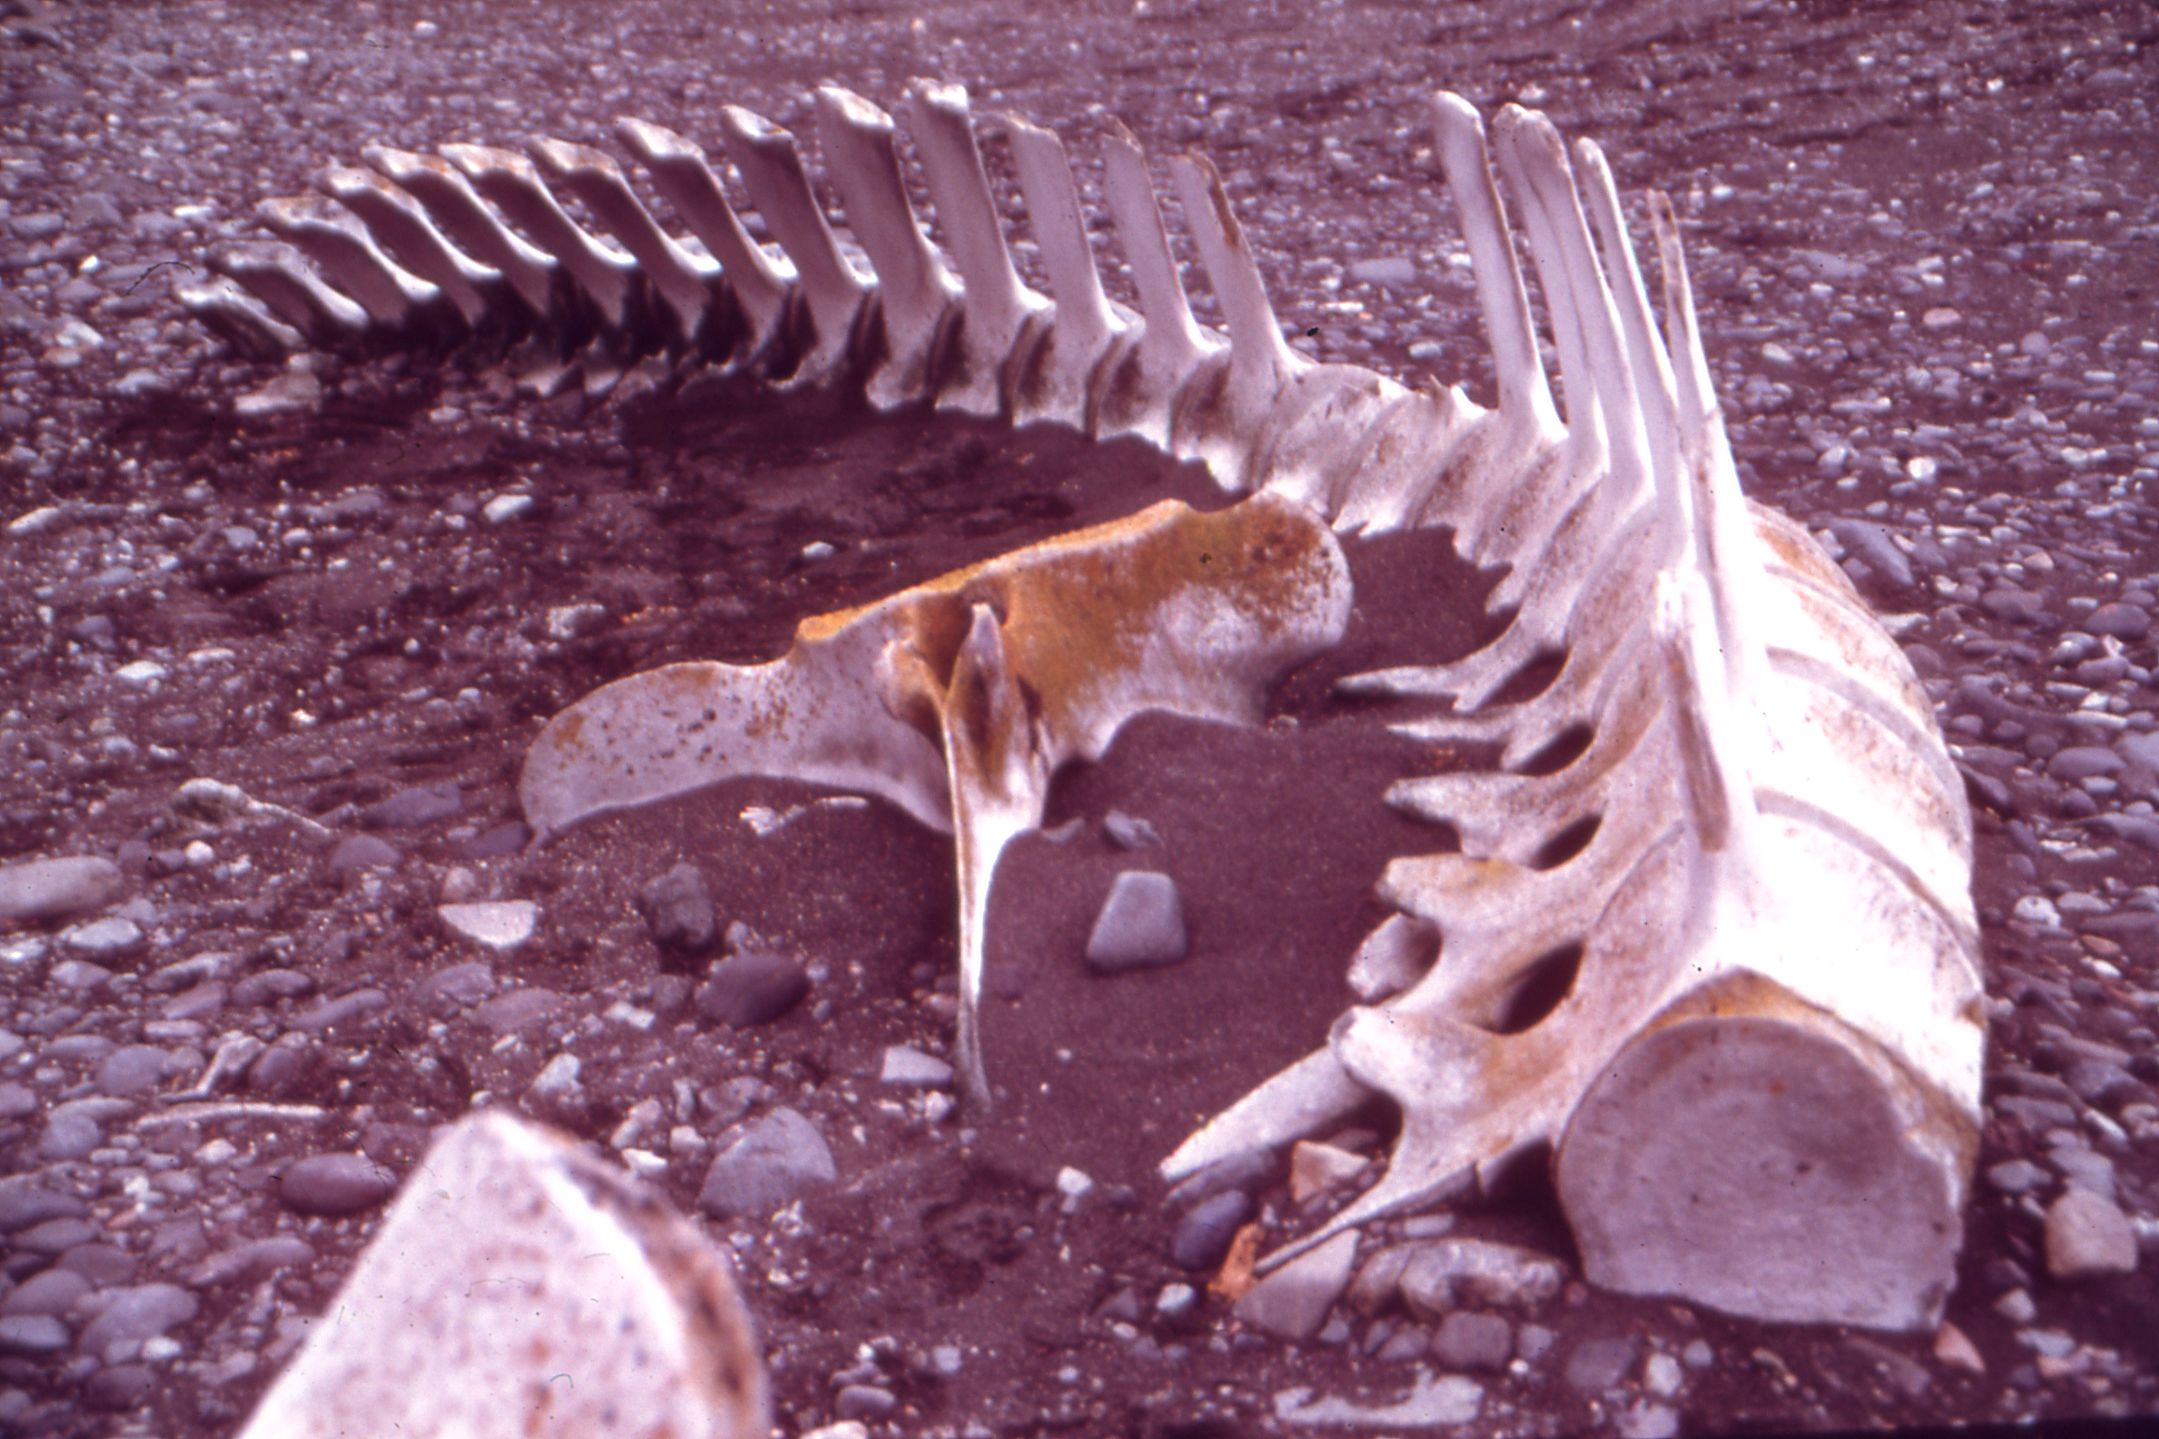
(1761, 1088)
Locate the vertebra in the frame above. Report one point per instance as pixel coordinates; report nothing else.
(1770, 1051)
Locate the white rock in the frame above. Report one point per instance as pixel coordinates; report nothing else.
(140, 672)
(2038, 909)
(1433, 1402)
(910, 1068)
(498, 924)
(56, 888)
(504, 508)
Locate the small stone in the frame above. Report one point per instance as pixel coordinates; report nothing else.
(252, 1260)
(678, 909)
(47, 889)
(2016, 1176)
(863, 1401)
(106, 938)
(752, 989)
(335, 1184)
(119, 1387)
(2082, 762)
(69, 1134)
(557, 1079)
(1202, 1237)
(52, 1292)
(498, 924)
(1404, 1346)
(766, 1165)
(1074, 1183)
(137, 1314)
(1141, 924)
(1953, 1348)
(1316, 1169)
(1470, 1340)
(2038, 909)
(2016, 1306)
(2087, 1236)
(460, 986)
(2125, 622)
(32, 1334)
(1293, 1301)
(1643, 1420)
(1871, 542)
(518, 1009)
(1662, 1376)
(1176, 1301)
(1129, 832)
(132, 1069)
(503, 508)
(415, 806)
(909, 1068)
(357, 852)
(24, 1202)
(1601, 1363)
(1443, 1272)
(1384, 270)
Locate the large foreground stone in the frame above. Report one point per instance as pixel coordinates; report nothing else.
(521, 1288)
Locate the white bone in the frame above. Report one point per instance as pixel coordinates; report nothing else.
(298, 296)
(685, 282)
(1055, 377)
(1000, 311)
(446, 194)
(412, 239)
(509, 181)
(334, 239)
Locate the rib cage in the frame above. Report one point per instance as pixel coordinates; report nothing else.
(1771, 801)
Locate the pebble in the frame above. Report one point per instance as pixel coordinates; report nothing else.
(1316, 1169)
(2122, 621)
(132, 1069)
(52, 1292)
(1203, 1236)
(24, 1202)
(518, 1009)
(252, 1260)
(1404, 1346)
(343, 1009)
(1601, 1363)
(2082, 762)
(2087, 1236)
(1293, 1301)
(357, 852)
(48, 889)
(863, 1401)
(32, 1334)
(1644, 1420)
(752, 989)
(135, 1314)
(459, 986)
(415, 806)
(2016, 1176)
(1433, 1402)
(1470, 1340)
(1129, 832)
(765, 1165)
(105, 938)
(335, 1184)
(1661, 1375)
(1141, 924)
(678, 910)
(498, 924)
(1441, 1273)
(119, 1387)
(1955, 1349)
(265, 985)
(1384, 270)
(910, 1068)
(70, 1134)
(1871, 543)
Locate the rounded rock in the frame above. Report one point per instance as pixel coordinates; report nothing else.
(1468, 1340)
(137, 1314)
(132, 1069)
(767, 1165)
(2087, 1236)
(1203, 1236)
(2122, 621)
(44, 889)
(752, 989)
(335, 1184)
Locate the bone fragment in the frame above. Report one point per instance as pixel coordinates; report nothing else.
(519, 1287)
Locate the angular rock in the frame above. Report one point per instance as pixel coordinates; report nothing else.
(1469, 1340)
(1442, 1273)
(2086, 1236)
(678, 910)
(765, 1165)
(910, 1068)
(47, 889)
(752, 989)
(1601, 1363)
(335, 1184)
(519, 1260)
(498, 924)
(1141, 924)
(1293, 1301)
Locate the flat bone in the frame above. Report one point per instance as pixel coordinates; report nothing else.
(1171, 609)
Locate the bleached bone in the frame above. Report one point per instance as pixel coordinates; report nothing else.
(1759, 850)
(519, 1286)
(957, 700)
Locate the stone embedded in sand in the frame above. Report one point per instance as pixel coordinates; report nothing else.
(752, 989)
(358, 852)
(765, 1165)
(1203, 1235)
(498, 924)
(45, 889)
(1316, 1168)
(678, 909)
(909, 1068)
(414, 806)
(1442, 1273)
(1467, 1339)
(1433, 1402)
(1141, 925)
(105, 938)
(1294, 1300)
(135, 1314)
(2087, 1236)
(335, 1184)
(513, 1265)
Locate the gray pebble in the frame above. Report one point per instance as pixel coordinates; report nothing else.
(519, 1009)
(335, 1184)
(1644, 1420)
(1533, 1341)
(24, 1202)
(1871, 542)
(266, 985)
(17, 1101)
(1468, 1340)
(1292, 1302)
(32, 1334)
(1441, 1273)
(2123, 621)
(55, 1236)
(132, 1069)
(107, 938)
(1404, 1346)
(47, 889)
(1383, 270)
(134, 1315)
(415, 806)
(2081, 762)
(2016, 1176)
(497, 842)
(342, 1010)
(1141, 924)
(459, 986)
(52, 1292)
(1129, 832)
(863, 1401)
(79, 976)
(204, 1001)
(752, 989)
(357, 852)
(765, 1165)
(678, 909)
(1203, 1236)
(70, 1134)
(279, 1070)
(910, 1068)
(1599, 1364)
(245, 1263)
(104, 1265)
(2086, 1235)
